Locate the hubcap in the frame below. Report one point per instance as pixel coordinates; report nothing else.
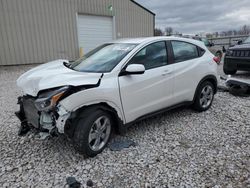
(206, 96)
(99, 133)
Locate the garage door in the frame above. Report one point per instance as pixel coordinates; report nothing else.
(93, 31)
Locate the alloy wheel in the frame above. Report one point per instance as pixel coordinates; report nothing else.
(99, 133)
(206, 96)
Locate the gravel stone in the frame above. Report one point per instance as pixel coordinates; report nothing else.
(90, 183)
(180, 148)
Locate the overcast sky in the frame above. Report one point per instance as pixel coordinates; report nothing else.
(195, 16)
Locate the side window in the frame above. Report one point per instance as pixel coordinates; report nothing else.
(152, 56)
(202, 51)
(184, 51)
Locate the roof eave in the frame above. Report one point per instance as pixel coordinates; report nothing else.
(143, 7)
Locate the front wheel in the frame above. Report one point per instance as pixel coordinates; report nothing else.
(92, 132)
(204, 96)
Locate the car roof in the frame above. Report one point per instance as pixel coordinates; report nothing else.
(152, 39)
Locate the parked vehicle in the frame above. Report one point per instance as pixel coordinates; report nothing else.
(237, 57)
(216, 50)
(114, 86)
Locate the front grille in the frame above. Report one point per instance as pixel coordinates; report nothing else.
(241, 53)
(30, 111)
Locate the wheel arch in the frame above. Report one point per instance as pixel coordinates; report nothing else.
(210, 78)
(77, 114)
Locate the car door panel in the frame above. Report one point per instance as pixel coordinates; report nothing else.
(187, 70)
(151, 91)
(186, 76)
(146, 93)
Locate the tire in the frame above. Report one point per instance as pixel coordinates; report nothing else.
(204, 96)
(88, 132)
(231, 72)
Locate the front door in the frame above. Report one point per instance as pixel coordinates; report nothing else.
(151, 91)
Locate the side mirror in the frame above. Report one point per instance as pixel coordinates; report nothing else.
(239, 42)
(133, 69)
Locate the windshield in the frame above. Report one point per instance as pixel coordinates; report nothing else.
(247, 40)
(102, 59)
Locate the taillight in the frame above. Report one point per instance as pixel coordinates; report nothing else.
(216, 60)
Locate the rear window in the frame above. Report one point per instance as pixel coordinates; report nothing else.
(184, 51)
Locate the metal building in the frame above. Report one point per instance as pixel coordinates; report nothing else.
(37, 31)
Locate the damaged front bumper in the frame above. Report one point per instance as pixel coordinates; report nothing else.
(51, 122)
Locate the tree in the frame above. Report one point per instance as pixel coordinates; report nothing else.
(169, 31)
(245, 30)
(158, 32)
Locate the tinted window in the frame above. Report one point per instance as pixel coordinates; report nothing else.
(152, 56)
(184, 51)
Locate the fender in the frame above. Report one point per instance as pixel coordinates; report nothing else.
(68, 115)
(97, 102)
(104, 93)
(69, 125)
(210, 78)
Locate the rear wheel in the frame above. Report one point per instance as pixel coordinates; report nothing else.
(204, 96)
(92, 132)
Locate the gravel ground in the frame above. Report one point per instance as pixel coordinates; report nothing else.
(180, 148)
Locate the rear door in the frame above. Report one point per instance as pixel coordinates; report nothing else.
(188, 70)
(151, 91)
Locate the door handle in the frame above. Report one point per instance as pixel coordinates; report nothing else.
(166, 72)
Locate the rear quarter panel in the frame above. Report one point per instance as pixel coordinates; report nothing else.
(188, 75)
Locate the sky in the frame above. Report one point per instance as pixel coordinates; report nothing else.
(199, 16)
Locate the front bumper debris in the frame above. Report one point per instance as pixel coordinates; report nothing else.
(24, 128)
(45, 122)
(238, 87)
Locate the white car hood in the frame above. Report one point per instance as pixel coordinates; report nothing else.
(54, 74)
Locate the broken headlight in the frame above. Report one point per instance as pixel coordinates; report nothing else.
(48, 99)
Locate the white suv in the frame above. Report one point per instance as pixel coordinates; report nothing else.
(115, 85)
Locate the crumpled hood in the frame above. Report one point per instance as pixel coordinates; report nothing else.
(54, 74)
